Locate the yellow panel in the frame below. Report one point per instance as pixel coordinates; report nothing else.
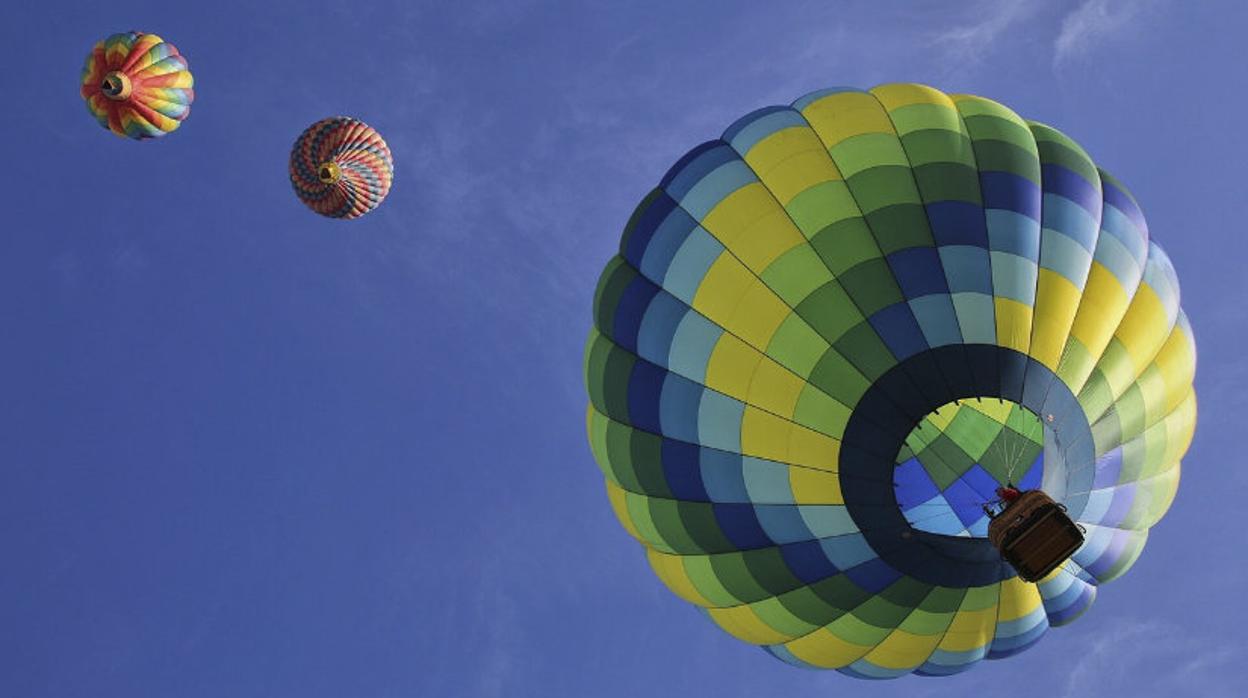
(730, 367)
(758, 315)
(902, 650)
(1013, 324)
(845, 115)
(998, 410)
(1177, 363)
(722, 288)
(1104, 303)
(824, 649)
(752, 209)
(1057, 301)
(799, 173)
(1018, 598)
(970, 630)
(1144, 327)
(903, 94)
(742, 623)
(619, 505)
(764, 435)
(767, 238)
(815, 486)
(810, 448)
(774, 388)
(671, 569)
(777, 149)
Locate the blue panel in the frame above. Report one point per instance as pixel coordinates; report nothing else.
(694, 165)
(1119, 199)
(692, 345)
(767, 481)
(663, 245)
(874, 575)
(629, 311)
(1010, 232)
(678, 408)
(747, 131)
(967, 269)
(740, 526)
(1062, 215)
(896, 325)
(687, 269)
(719, 421)
(918, 271)
(957, 223)
(682, 470)
(644, 387)
(937, 318)
(783, 524)
(912, 484)
(807, 561)
(716, 186)
(658, 327)
(1009, 192)
(721, 476)
(1108, 469)
(1067, 184)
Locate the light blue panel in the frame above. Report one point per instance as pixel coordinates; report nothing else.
(783, 524)
(977, 317)
(678, 408)
(1070, 219)
(1119, 227)
(689, 266)
(1063, 255)
(721, 476)
(827, 520)
(1114, 257)
(1014, 277)
(715, 187)
(692, 345)
(1097, 506)
(1023, 625)
(1009, 231)
(967, 268)
(665, 243)
(719, 421)
(947, 661)
(766, 481)
(866, 668)
(658, 326)
(847, 551)
(746, 135)
(937, 319)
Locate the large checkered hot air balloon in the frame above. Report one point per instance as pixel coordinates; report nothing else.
(832, 333)
(137, 85)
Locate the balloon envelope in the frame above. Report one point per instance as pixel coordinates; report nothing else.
(137, 85)
(831, 333)
(341, 168)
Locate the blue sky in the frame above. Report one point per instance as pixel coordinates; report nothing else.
(246, 451)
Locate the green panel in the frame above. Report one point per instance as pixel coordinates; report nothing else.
(999, 156)
(822, 205)
(731, 571)
(881, 613)
(796, 346)
(871, 357)
(774, 614)
(838, 378)
(934, 146)
(871, 286)
(619, 454)
(948, 182)
(914, 118)
(944, 461)
(882, 186)
(806, 604)
(830, 311)
(770, 571)
(868, 151)
(822, 413)
(615, 278)
(900, 227)
(846, 244)
(646, 455)
(795, 274)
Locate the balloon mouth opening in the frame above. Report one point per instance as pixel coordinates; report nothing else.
(115, 86)
(950, 465)
(328, 173)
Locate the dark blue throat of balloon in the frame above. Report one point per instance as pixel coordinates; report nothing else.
(896, 403)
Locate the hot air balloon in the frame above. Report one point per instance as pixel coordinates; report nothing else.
(341, 168)
(137, 85)
(830, 334)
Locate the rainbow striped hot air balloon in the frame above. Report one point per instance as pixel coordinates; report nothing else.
(137, 85)
(341, 167)
(832, 332)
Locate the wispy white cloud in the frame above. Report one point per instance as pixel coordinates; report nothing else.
(1094, 22)
(987, 25)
